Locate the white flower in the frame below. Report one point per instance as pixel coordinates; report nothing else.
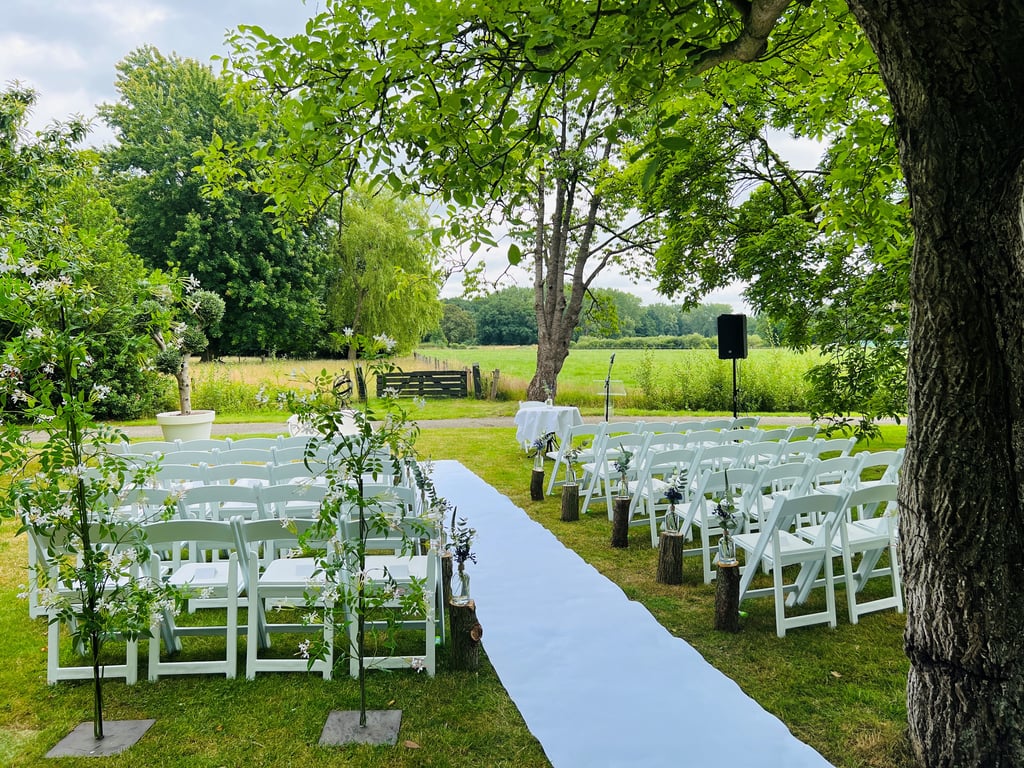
(19, 396)
(417, 663)
(34, 333)
(385, 341)
(304, 649)
(889, 329)
(347, 332)
(28, 268)
(100, 392)
(191, 284)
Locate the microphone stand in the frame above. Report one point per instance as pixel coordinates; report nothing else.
(608, 388)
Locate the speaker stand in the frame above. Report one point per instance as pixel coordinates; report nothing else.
(735, 391)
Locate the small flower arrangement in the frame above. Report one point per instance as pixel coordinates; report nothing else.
(674, 495)
(540, 446)
(462, 552)
(621, 465)
(572, 460)
(728, 521)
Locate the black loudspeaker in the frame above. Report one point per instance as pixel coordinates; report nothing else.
(732, 337)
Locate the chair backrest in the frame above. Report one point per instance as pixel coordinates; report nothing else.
(663, 441)
(247, 455)
(803, 433)
(168, 536)
(837, 471)
(658, 426)
(291, 500)
(716, 424)
(746, 422)
(776, 434)
(721, 456)
(744, 435)
(871, 501)
(207, 444)
(789, 479)
(144, 504)
(622, 427)
(886, 462)
(262, 443)
(668, 464)
(713, 484)
(217, 502)
(193, 457)
(240, 474)
(153, 446)
(834, 446)
(177, 477)
(763, 453)
(295, 470)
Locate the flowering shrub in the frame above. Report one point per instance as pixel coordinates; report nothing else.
(66, 489)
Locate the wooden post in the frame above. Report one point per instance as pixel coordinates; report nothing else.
(495, 375)
(570, 502)
(727, 598)
(466, 634)
(670, 558)
(620, 522)
(537, 485)
(478, 385)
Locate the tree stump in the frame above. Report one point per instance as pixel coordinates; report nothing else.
(537, 485)
(447, 569)
(570, 502)
(620, 522)
(670, 558)
(727, 598)
(466, 633)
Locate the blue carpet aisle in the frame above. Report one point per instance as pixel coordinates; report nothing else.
(599, 682)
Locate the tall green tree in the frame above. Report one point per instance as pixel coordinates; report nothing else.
(384, 276)
(506, 317)
(268, 270)
(955, 80)
(48, 195)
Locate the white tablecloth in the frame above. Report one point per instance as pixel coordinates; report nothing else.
(535, 422)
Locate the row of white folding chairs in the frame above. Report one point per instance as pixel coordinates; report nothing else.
(754, 491)
(666, 435)
(166, 447)
(857, 524)
(740, 448)
(252, 558)
(699, 474)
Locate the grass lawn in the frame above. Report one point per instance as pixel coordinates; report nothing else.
(841, 690)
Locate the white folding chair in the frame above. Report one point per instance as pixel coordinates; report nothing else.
(386, 576)
(662, 469)
(866, 528)
(746, 422)
(279, 588)
(775, 548)
(218, 502)
(45, 574)
(222, 580)
(887, 463)
(576, 436)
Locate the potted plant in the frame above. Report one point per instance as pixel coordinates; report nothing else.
(181, 315)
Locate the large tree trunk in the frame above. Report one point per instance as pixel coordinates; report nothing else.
(955, 73)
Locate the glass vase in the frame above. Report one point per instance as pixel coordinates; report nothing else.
(538, 460)
(461, 597)
(570, 475)
(727, 550)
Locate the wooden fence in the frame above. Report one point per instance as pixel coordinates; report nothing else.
(424, 383)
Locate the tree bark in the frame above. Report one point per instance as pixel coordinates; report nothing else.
(466, 634)
(727, 598)
(620, 522)
(955, 75)
(670, 558)
(447, 569)
(570, 502)
(537, 485)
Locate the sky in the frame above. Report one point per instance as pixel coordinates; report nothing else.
(68, 50)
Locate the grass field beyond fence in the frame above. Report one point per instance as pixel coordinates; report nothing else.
(655, 381)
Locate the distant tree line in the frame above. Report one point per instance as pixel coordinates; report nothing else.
(612, 318)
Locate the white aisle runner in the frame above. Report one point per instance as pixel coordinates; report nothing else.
(599, 682)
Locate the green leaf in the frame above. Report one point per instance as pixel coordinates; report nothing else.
(514, 254)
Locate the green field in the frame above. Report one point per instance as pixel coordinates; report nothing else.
(770, 380)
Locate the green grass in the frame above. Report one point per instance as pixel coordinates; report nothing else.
(841, 690)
